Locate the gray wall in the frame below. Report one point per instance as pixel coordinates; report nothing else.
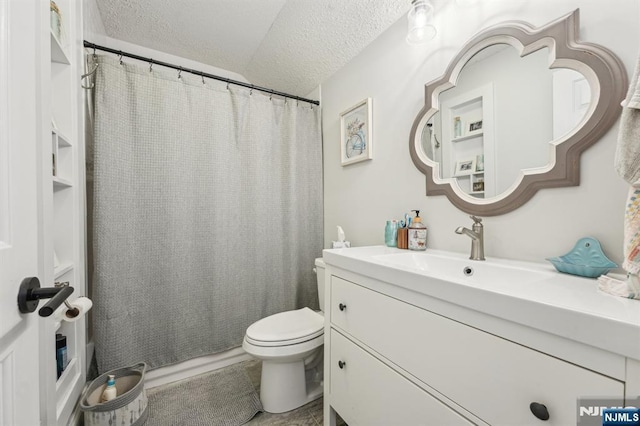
(360, 197)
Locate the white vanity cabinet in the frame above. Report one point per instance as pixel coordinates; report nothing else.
(366, 389)
(394, 357)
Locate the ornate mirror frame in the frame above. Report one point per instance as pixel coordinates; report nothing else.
(608, 83)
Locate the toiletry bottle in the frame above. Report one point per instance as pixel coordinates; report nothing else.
(61, 353)
(391, 233)
(457, 127)
(417, 233)
(110, 391)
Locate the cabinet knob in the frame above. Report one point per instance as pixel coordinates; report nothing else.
(539, 410)
(341, 364)
(342, 306)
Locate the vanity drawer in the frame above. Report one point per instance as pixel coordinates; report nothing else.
(364, 391)
(493, 378)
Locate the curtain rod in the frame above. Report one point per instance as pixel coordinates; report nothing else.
(200, 73)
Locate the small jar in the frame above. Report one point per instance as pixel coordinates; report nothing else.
(391, 233)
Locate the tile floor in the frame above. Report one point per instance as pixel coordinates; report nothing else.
(307, 415)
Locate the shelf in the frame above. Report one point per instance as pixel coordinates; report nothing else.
(60, 183)
(61, 270)
(476, 192)
(63, 141)
(67, 376)
(58, 53)
(467, 137)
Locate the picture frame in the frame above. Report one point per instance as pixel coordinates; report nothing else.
(356, 141)
(478, 186)
(465, 167)
(475, 126)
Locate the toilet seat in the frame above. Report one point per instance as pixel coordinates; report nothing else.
(286, 328)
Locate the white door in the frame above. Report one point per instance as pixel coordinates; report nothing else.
(19, 341)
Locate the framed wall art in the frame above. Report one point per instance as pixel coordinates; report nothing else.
(355, 133)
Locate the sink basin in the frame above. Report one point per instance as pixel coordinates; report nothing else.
(460, 269)
(527, 293)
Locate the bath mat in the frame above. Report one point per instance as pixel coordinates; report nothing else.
(222, 398)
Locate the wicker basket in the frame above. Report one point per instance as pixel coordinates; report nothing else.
(129, 406)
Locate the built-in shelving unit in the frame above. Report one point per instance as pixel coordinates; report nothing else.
(58, 54)
(64, 210)
(466, 135)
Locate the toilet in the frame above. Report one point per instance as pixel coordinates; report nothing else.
(290, 345)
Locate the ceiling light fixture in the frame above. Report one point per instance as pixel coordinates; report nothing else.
(421, 27)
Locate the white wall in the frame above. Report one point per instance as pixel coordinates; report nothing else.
(360, 197)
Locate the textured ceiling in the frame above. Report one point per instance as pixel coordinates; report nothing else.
(286, 45)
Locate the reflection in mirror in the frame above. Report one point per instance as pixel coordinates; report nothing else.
(507, 126)
(502, 117)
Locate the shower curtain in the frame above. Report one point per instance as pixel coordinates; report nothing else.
(207, 213)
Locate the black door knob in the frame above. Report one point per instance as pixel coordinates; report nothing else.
(539, 410)
(342, 307)
(341, 364)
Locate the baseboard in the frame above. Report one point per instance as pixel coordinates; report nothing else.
(193, 367)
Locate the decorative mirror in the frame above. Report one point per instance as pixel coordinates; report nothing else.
(512, 114)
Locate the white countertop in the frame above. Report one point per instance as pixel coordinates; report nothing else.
(532, 294)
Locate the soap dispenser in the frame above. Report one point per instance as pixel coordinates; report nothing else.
(110, 391)
(417, 233)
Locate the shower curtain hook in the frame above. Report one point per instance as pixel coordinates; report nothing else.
(228, 84)
(179, 72)
(202, 75)
(94, 54)
(150, 64)
(89, 74)
(119, 56)
(251, 91)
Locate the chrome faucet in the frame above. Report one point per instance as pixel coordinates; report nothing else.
(476, 233)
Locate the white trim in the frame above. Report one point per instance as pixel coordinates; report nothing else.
(5, 163)
(193, 367)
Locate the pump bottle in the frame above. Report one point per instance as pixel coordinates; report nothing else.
(417, 233)
(110, 391)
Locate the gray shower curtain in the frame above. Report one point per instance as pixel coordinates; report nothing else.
(207, 213)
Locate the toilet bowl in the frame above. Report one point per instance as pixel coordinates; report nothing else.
(290, 346)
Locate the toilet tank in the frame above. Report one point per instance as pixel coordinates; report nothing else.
(320, 279)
